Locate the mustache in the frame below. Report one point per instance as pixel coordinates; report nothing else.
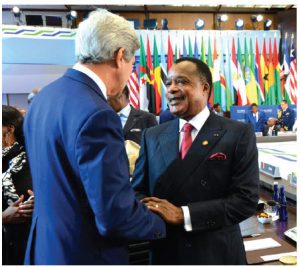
(172, 97)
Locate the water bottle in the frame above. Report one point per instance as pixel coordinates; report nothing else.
(283, 214)
(275, 191)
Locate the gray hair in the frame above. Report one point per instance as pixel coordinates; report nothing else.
(101, 35)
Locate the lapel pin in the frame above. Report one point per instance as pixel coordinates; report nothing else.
(204, 143)
(216, 134)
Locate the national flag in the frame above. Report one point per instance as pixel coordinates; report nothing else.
(225, 92)
(196, 53)
(203, 56)
(293, 73)
(184, 48)
(271, 96)
(157, 78)
(190, 48)
(258, 77)
(170, 55)
(278, 89)
(242, 96)
(216, 74)
(144, 102)
(150, 81)
(133, 86)
(163, 76)
(264, 69)
(286, 71)
(250, 84)
(230, 97)
(234, 72)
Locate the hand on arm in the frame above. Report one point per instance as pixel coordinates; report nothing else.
(11, 214)
(26, 208)
(170, 213)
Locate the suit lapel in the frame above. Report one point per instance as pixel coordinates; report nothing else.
(169, 142)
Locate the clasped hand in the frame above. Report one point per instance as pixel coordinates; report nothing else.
(170, 213)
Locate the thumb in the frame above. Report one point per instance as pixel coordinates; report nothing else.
(30, 192)
(21, 198)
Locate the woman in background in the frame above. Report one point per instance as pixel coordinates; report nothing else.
(17, 198)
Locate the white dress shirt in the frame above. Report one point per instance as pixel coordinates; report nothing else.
(124, 114)
(79, 67)
(197, 122)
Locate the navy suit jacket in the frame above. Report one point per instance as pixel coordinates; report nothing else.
(287, 119)
(259, 125)
(219, 190)
(85, 208)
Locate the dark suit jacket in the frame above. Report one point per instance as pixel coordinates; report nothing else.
(85, 208)
(219, 193)
(166, 116)
(137, 121)
(258, 126)
(287, 119)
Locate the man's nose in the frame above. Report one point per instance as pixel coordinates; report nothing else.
(172, 88)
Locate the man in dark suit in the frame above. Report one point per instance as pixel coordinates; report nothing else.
(205, 191)
(133, 121)
(271, 128)
(256, 118)
(85, 208)
(286, 117)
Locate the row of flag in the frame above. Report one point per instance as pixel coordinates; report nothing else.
(238, 79)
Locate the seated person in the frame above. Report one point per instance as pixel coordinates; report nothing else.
(217, 109)
(256, 118)
(271, 125)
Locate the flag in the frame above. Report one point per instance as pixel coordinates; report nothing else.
(163, 76)
(271, 96)
(203, 56)
(264, 70)
(225, 93)
(133, 86)
(196, 53)
(242, 96)
(250, 84)
(170, 55)
(184, 48)
(230, 99)
(190, 48)
(234, 72)
(177, 50)
(157, 78)
(286, 71)
(216, 74)
(150, 81)
(144, 102)
(293, 74)
(258, 77)
(278, 89)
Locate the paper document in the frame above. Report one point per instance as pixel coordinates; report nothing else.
(261, 244)
(274, 257)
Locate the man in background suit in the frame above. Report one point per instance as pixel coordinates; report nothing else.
(85, 208)
(256, 118)
(286, 117)
(199, 172)
(271, 128)
(133, 121)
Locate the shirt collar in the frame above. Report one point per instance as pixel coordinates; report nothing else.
(125, 111)
(79, 67)
(197, 121)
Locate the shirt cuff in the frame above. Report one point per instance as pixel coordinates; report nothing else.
(187, 218)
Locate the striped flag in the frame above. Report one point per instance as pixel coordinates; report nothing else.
(293, 73)
(258, 77)
(270, 96)
(190, 48)
(170, 55)
(234, 72)
(157, 78)
(278, 90)
(133, 86)
(264, 69)
(216, 75)
(144, 102)
(184, 48)
(203, 56)
(196, 53)
(150, 82)
(242, 96)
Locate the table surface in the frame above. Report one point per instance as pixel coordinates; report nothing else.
(275, 230)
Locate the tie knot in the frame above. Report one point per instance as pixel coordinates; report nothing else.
(187, 127)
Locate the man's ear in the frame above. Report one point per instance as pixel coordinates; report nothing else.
(206, 88)
(119, 57)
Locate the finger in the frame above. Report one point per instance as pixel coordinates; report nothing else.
(26, 206)
(30, 192)
(155, 199)
(21, 198)
(25, 211)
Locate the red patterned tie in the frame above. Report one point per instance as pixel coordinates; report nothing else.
(187, 139)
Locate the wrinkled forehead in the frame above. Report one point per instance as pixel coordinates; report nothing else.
(183, 69)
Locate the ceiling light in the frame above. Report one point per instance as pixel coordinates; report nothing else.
(199, 24)
(239, 24)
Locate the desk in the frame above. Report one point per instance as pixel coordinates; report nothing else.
(275, 230)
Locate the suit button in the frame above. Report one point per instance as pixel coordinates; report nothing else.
(203, 182)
